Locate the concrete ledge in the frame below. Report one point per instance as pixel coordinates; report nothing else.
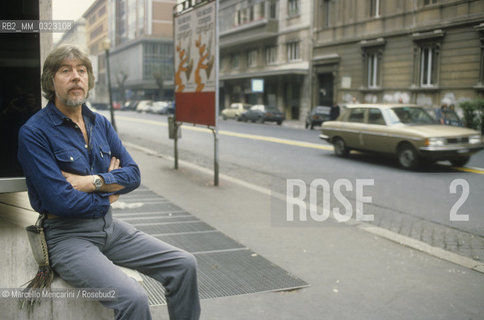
(18, 267)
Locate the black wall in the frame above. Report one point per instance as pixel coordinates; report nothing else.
(20, 95)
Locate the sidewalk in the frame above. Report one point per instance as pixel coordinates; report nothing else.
(352, 274)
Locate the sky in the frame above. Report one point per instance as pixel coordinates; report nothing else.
(68, 10)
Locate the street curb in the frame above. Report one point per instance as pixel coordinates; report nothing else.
(424, 247)
(378, 231)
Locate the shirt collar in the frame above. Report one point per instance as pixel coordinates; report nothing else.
(58, 118)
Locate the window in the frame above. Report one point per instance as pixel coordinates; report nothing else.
(372, 70)
(271, 55)
(293, 7)
(326, 14)
(481, 71)
(372, 52)
(375, 117)
(427, 2)
(293, 51)
(234, 61)
(427, 48)
(374, 8)
(252, 58)
(428, 67)
(262, 10)
(273, 9)
(357, 115)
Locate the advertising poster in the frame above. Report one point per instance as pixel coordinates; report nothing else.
(195, 79)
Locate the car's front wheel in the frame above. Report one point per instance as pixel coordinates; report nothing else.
(408, 157)
(340, 148)
(460, 162)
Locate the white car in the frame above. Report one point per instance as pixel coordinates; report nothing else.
(144, 106)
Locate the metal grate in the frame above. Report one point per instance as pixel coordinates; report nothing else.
(226, 267)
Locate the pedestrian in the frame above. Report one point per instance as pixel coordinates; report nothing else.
(334, 112)
(75, 167)
(442, 113)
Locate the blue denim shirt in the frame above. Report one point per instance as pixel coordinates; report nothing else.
(49, 143)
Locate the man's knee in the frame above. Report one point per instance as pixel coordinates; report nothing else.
(188, 262)
(134, 299)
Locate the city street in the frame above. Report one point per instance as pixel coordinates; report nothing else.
(352, 274)
(267, 155)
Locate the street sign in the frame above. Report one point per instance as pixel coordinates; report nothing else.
(195, 43)
(196, 68)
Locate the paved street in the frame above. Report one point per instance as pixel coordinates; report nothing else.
(352, 274)
(354, 270)
(413, 204)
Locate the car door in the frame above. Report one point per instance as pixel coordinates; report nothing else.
(375, 135)
(353, 128)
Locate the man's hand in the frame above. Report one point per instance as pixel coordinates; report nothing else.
(114, 164)
(113, 198)
(85, 183)
(80, 183)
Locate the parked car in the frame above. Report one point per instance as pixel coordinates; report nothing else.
(144, 106)
(261, 113)
(160, 107)
(130, 105)
(317, 116)
(235, 110)
(100, 105)
(405, 131)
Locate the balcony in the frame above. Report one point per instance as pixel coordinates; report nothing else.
(249, 32)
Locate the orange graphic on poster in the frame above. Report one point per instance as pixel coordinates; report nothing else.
(181, 68)
(203, 55)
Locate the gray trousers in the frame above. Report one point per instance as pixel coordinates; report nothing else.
(83, 253)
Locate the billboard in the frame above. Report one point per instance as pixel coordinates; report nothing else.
(195, 46)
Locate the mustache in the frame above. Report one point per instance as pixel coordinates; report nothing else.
(76, 88)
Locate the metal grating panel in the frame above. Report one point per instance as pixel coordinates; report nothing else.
(201, 242)
(223, 274)
(169, 228)
(226, 267)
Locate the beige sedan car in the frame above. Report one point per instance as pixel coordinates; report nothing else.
(406, 131)
(235, 111)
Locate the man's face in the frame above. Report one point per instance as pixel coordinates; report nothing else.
(71, 83)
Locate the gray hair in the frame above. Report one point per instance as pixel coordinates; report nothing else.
(54, 61)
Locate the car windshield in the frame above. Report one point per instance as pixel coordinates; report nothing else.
(410, 115)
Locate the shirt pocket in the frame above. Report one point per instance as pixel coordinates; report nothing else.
(103, 157)
(70, 161)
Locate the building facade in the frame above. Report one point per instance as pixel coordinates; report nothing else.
(76, 35)
(428, 52)
(267, 40)
(141, 32)
(96, 18)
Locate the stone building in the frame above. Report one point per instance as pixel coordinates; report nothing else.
(428, 52)
(266, 40)
(141, 32)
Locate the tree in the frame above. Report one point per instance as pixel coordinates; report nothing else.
(120, 80)
(158, 76)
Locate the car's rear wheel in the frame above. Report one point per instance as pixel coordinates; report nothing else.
(460, 162)
(408, 157)
(340, 148)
